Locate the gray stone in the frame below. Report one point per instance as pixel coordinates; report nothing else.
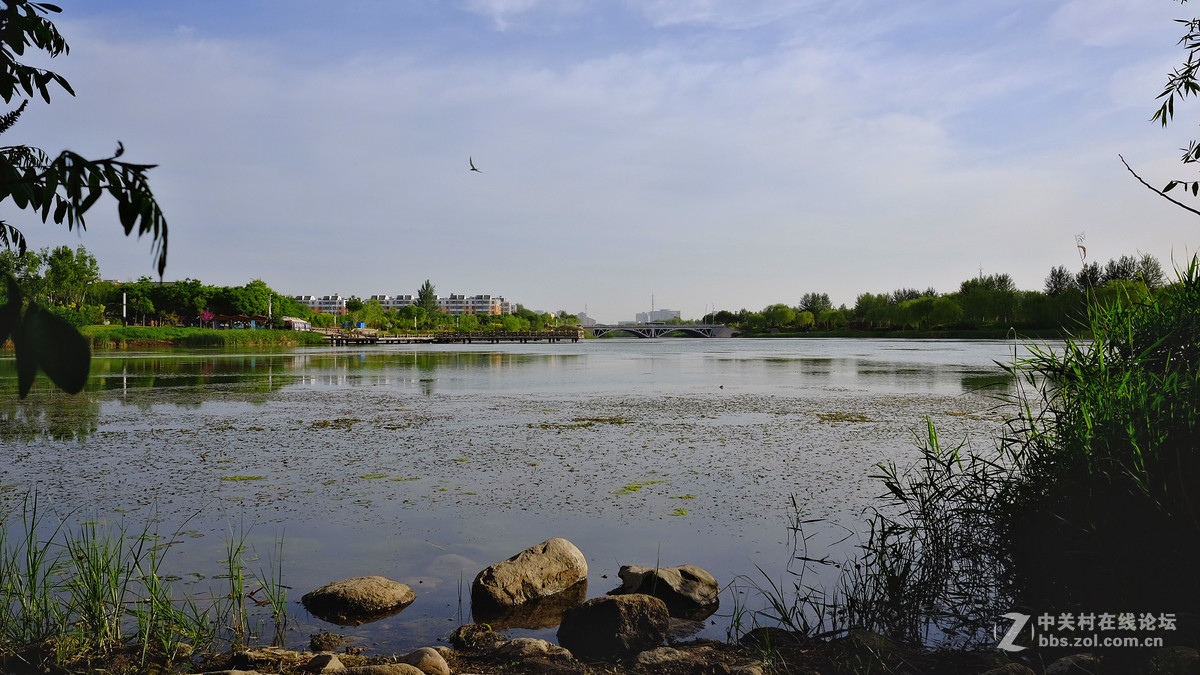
(324, 663)
(428, 660)
(529, 648)
(614, 627)
(359, 600)
(662, 656)
(690, 592)
(384, 669)
(537, 572)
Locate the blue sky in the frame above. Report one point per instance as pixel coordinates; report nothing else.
(704, 152)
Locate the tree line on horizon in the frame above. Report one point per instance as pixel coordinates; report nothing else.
(985, 301)
(68, 283)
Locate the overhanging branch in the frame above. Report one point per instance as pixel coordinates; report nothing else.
(1155, 190)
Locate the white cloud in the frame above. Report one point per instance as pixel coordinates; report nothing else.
(1112, 23)
(506, 13)
(729, 14)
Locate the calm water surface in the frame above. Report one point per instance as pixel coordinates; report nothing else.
(427, 463)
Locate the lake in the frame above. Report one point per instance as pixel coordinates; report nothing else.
(425, 464)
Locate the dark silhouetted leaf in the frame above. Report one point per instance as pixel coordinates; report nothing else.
(62, 352)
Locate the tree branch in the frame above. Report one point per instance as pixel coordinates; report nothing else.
(1155, 190)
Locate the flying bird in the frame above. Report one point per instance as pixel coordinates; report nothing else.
(472, 161)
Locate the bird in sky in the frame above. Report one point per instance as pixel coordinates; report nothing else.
(472, 161)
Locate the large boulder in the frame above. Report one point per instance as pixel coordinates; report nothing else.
(614, 627)
(533, 614)
(688, 591)
(351, 602)
(539, 571)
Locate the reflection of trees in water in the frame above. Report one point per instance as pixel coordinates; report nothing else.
(47, 413)
(250, 374)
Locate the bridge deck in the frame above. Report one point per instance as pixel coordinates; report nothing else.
(656, 330)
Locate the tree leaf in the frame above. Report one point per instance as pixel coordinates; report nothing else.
(61, 351)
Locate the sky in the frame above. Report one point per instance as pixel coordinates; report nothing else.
(666, 154)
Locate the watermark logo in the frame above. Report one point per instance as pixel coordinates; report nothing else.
(1007, 642)
(1087, 629)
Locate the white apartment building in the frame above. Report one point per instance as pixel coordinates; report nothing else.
(394, 302)
(330, 304)
(493, 305)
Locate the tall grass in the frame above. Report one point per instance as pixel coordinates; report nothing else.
(74, 597)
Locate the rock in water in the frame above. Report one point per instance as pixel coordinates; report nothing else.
(359, 600)
(614, 627)
(537, 572)
(690, 592)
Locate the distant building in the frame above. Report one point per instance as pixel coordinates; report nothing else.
(657, 315)
(585, 320)
(394, 302)
(330, 304)
(493, 305)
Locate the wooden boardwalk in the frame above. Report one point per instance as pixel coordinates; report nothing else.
(340, 337)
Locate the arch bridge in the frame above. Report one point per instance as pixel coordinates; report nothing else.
(656, 330)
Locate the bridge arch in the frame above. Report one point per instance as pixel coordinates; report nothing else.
(657, 330)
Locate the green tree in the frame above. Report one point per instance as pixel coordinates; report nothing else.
(411, 316)
(427, 299)
(779, 315)
(815, 303)
(804, 320)
(69, 275)
(1058, 280)
(1089, 276)
(371, 313)
(1150, 272)
(988, 299)
(946, 311)
(64, 188)
(874, 310)
(26, 268)
(354, 304)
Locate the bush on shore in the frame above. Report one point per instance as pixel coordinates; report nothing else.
(116, 337)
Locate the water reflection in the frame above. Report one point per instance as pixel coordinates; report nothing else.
(46, 413)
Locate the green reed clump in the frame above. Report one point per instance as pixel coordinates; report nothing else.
(75, 598)
(1105, 512)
